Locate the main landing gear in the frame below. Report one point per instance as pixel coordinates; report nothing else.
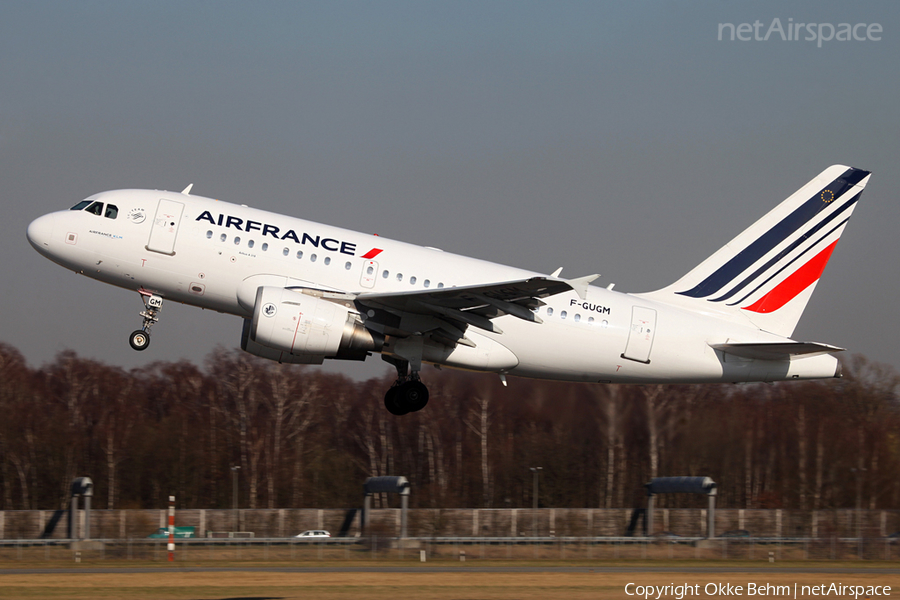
(140, 338)
(408, 394)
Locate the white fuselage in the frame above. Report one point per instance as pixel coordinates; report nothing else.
(215, 254)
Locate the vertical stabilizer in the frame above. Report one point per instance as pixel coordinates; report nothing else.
(767, 274)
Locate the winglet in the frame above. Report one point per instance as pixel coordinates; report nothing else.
(581, 284)
(187, 191)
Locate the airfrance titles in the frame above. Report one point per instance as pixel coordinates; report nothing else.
(330, 244)
(111, 236)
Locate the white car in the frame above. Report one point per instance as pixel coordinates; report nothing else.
(314, 533)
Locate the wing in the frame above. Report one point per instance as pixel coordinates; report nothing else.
(445, 314)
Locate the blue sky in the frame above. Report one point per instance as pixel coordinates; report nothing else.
(619, 138)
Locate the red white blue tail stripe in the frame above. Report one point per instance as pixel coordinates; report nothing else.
(783, 254)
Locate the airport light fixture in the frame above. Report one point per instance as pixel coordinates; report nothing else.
(536, 471)
(534, 498)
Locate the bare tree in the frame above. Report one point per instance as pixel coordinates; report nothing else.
(478, 421)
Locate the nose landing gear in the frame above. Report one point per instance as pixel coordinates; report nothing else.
(140, 338)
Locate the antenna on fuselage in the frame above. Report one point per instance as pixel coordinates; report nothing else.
(187, 191)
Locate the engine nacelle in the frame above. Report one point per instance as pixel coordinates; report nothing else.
(290, 326)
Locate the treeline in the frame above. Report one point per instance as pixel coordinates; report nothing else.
(303, 438)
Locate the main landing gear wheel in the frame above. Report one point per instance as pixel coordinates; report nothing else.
(409, 396)
(391, 404)
(139, 339)
(413, 395)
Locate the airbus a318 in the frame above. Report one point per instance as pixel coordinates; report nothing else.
(308, 292)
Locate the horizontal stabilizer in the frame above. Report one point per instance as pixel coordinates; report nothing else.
(776, 350)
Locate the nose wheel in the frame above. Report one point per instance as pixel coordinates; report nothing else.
(140, 338)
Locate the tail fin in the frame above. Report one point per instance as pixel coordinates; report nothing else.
(768, 273)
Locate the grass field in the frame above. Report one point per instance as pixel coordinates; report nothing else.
(156, 581)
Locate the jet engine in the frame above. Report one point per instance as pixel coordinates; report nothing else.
(293, 327)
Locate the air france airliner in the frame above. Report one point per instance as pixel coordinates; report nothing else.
(307, 292)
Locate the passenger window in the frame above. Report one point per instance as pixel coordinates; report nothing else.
(590, 320)
(250, 244)
(209, 234)
(440, 285)
(347, 265)
(549, 311)
(299, 253)
(80, 205)
(427, 283)
(265, 247)
(563, 315)
(285, 251)
(312, 258)
(95, 209)
(237, 241)
(384, 274)
(223, 237)
(327, 260)
(577, 318)
(412, 281)
(112, 211)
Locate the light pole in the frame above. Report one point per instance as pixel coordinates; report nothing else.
(534, 498)
(859, 475)
(234, 496)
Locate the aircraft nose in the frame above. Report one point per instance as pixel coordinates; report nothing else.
(40, 232)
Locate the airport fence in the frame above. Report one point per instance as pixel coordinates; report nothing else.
(458, 549)
(459, 522)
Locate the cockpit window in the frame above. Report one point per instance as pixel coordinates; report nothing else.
(80, 205)
(95, 208)
(112, 211)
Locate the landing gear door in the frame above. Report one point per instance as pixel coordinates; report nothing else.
(369, 274)
(165, 227)
(640, 336)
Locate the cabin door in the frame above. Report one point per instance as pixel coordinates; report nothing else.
(640, 336)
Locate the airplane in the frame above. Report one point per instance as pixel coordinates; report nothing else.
(308, 292)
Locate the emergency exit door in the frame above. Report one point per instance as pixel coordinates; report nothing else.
(369, 274)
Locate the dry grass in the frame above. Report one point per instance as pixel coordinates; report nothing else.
(311, 586)
(246, 585)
